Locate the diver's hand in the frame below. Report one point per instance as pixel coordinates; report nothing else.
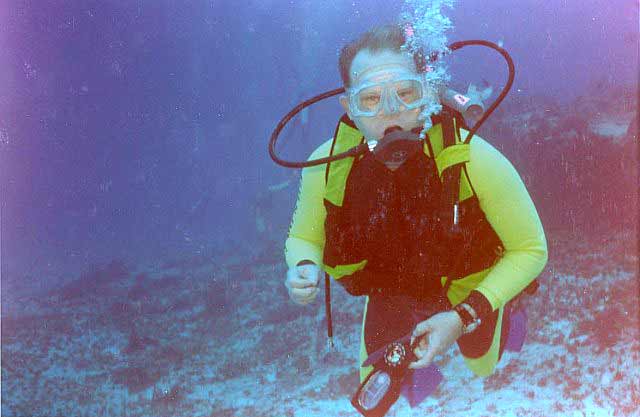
(435, 335)
(302, 283)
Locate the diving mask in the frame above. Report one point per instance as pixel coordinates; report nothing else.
(391, 91)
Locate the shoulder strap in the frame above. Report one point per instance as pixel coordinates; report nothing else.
(450, 174)
(450, 185)
(346, 136)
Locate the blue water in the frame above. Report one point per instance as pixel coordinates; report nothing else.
(136, 132)
(126, 123)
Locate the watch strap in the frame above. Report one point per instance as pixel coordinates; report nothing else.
(470, 319)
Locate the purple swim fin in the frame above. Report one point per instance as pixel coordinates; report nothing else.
(420, 383)
(517, 331)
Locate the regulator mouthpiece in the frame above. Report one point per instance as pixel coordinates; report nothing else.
(396, 147)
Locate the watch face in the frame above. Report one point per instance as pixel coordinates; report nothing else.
(395, 354)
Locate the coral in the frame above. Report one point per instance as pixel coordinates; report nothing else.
(96, 278)
(145, 286)
(302, 364)
(170, 355)
(187, 262)
(282, 313)
(232, 368)
(573, 174)
(139, 343)
(343, 385)
(139, 289)
(276, 343)
(135, 378)
(216, 301)
(224, 412)
(167, 398)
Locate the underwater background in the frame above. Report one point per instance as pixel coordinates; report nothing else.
(143, 222)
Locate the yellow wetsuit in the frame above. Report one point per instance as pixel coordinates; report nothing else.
(502, 197)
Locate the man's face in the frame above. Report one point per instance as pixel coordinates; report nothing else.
(379, 76)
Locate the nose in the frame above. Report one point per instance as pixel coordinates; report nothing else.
(389, 105)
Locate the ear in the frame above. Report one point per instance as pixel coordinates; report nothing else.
(344, 101)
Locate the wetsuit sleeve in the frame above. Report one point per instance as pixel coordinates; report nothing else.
(306, 238)
(509, 209)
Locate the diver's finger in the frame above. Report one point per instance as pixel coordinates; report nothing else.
(425, 360)
(305, 298)
(297, 282)
(300, 273)
(291, 273)
(311, 296)
(421, 329)
(310, 272)
(302, 293)
(419, 341)
(306, 270)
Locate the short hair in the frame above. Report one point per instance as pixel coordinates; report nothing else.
(388, 37)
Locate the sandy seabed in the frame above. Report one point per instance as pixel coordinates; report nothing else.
(218, 337)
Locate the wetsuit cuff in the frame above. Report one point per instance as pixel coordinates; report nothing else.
(480, 304)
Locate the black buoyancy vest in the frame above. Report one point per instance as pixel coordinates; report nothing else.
(399, 222)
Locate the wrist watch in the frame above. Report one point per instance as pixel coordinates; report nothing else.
(469, 317)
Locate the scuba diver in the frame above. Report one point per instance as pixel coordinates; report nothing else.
(438, 233)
